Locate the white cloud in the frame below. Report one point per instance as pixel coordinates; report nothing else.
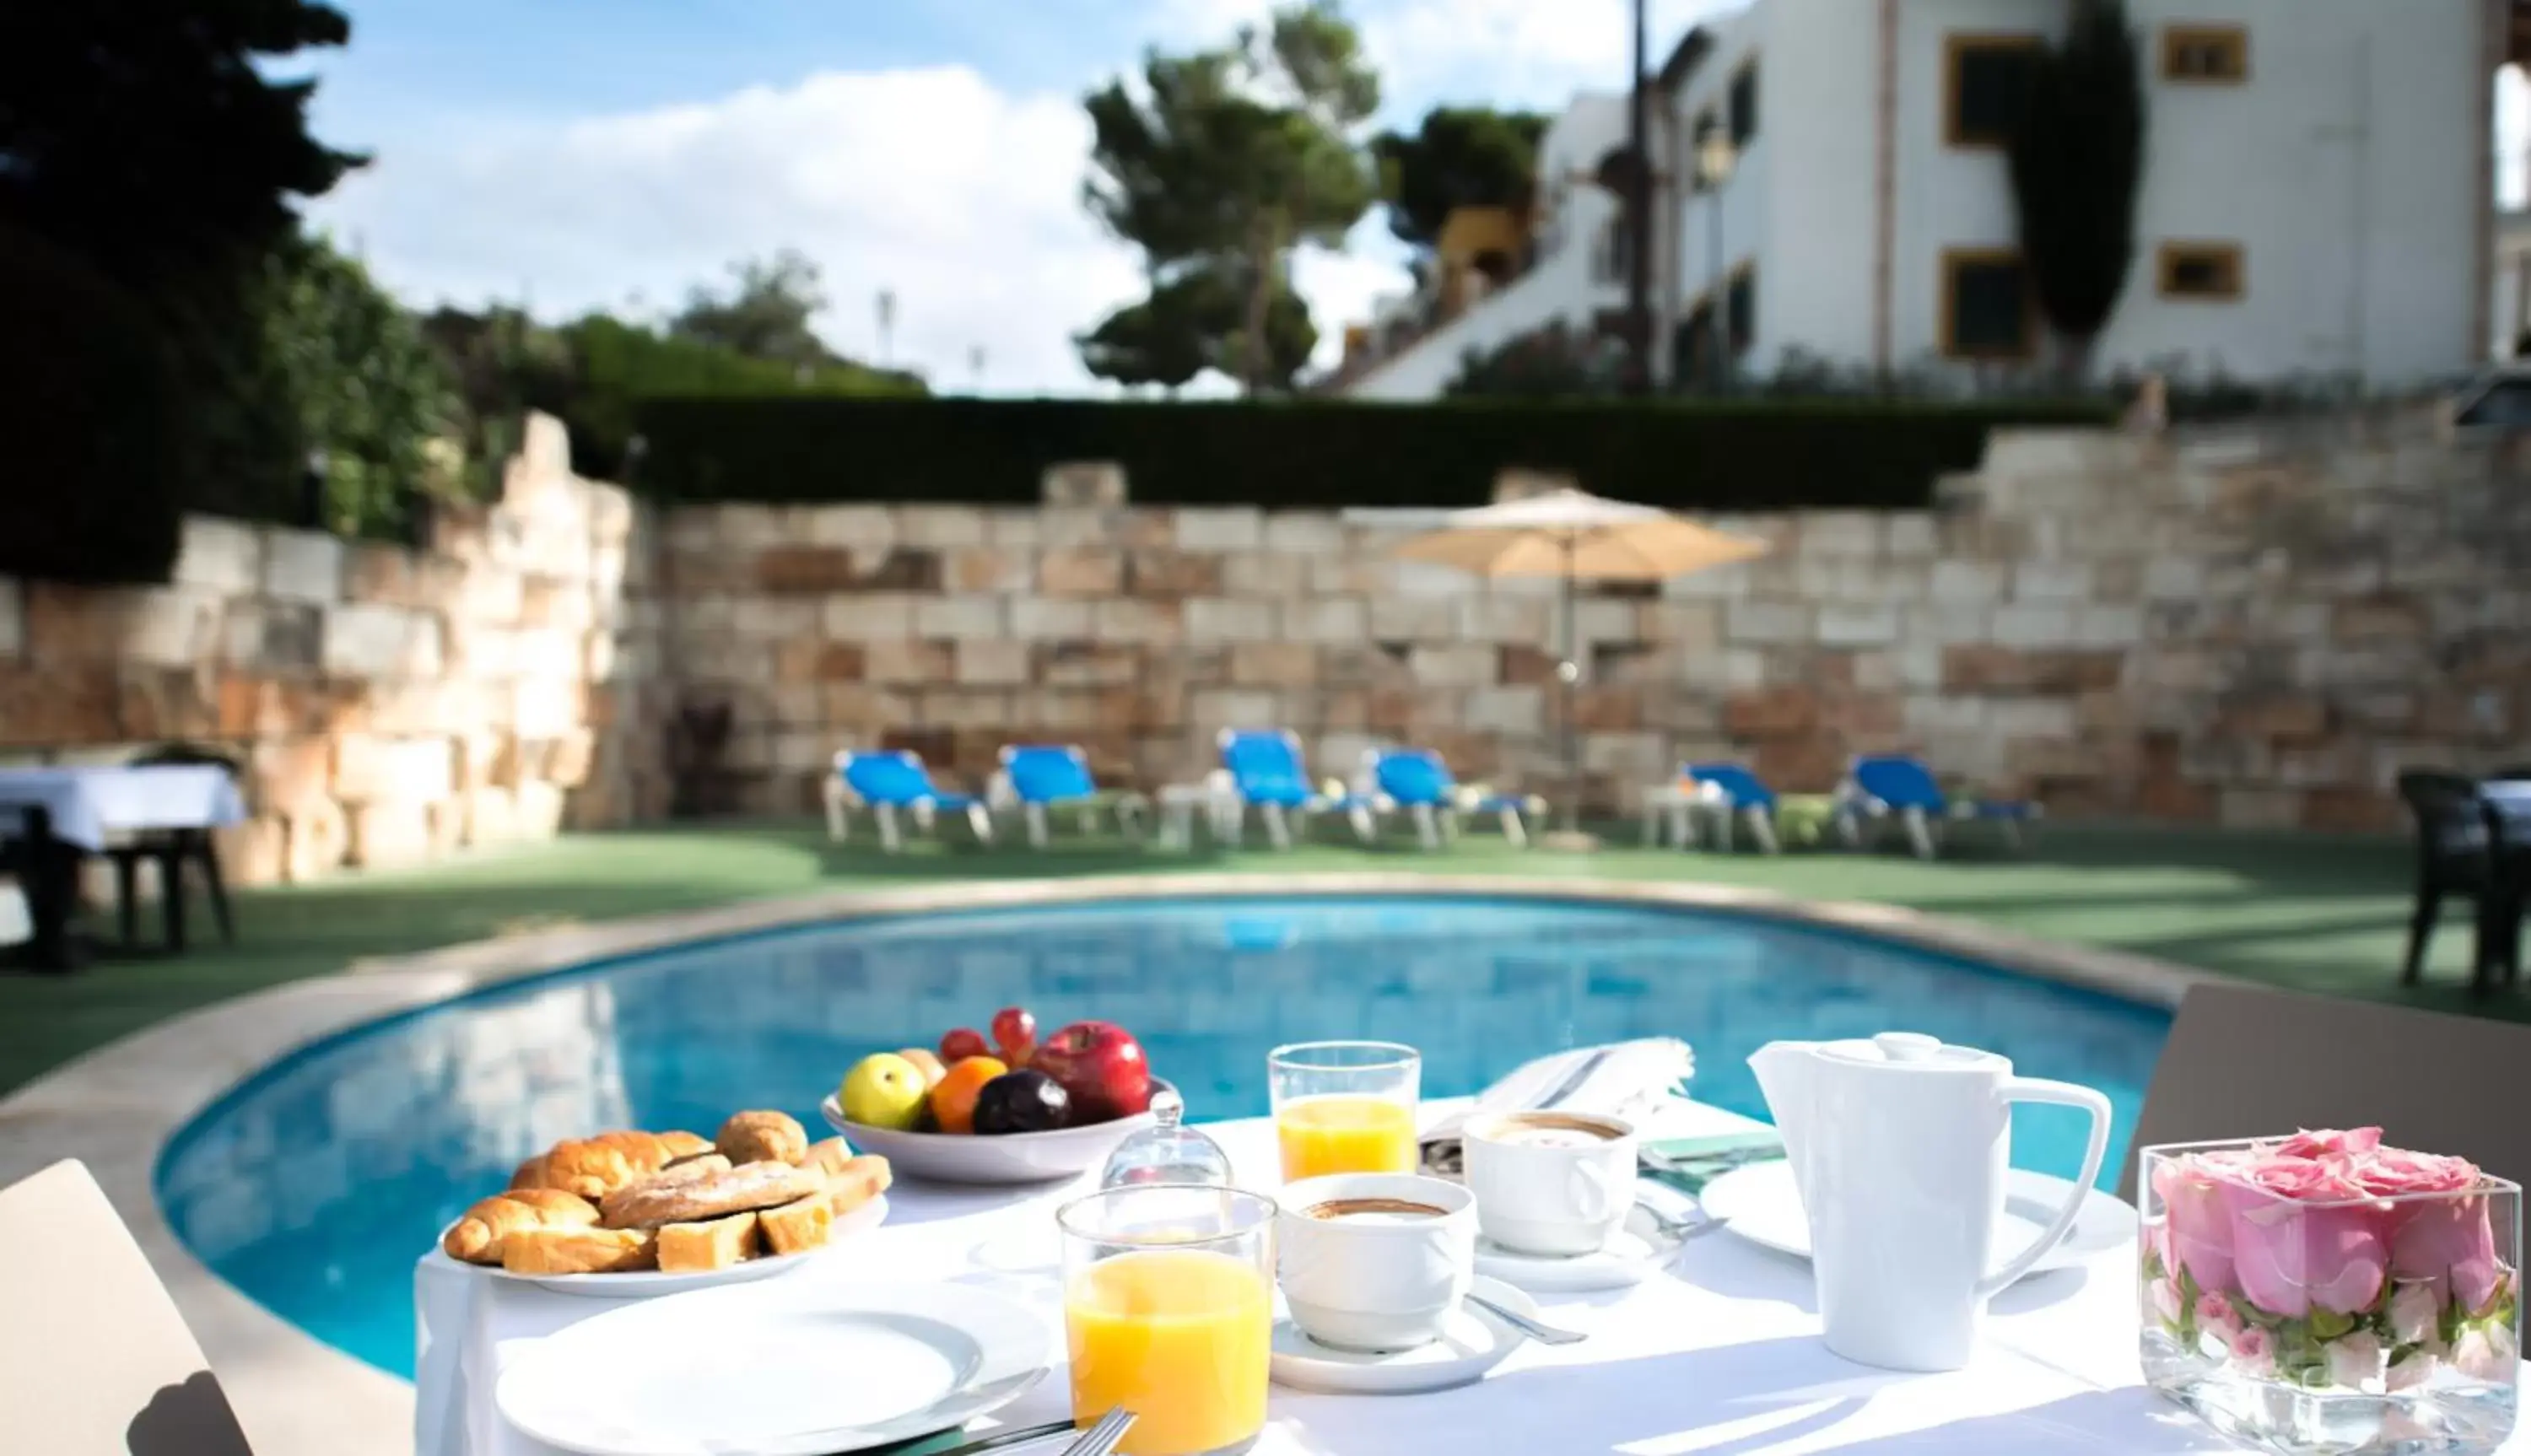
(962, 199)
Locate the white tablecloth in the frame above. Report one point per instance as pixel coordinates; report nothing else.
(87, 803)
(16, 924)
(1721, 1359)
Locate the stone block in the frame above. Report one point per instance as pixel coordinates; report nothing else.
(1502, 619)
(1414, 620)
(163, 704)
(303, 566)
(1911, 535)
(1847, 625)
(1163, 571)
(1938, 716)
(2391, 619)
(1520, 711)
(1966, 582)
(2281, 719)
(2050, 582)
(819, 571)
(959, 618)
(1039, 619)
(864, 528)
(1755, 623)
(2109, 625)
(1771, 712)
(1220, 529)
(368, 766)
(1222, 620)
(1599, 620)
(170, 627)
(1264, 574)
(1606, 708)
(13, 619)
(909, 662)
(1315, 532)
(365, 640)
(2173, 579)
(988, 569)
(1213, 709)
(544, 709)
(2259, 809)
(961, 709)
(1131, 620)
(557, 655)
(1082, 571)
(1333, 620)
(314, 840)
(1637, 758)
(2037, 718)
(1839, 534)
(2035, 626)
(1460, 666)
(1718, 584)
(556, 601)
(539, 809)
(1273, 664)
(867, 618)
(939, 526)
(218, 555)
(1083, 483)
(483, 592)
(993, 662)
(387, 833)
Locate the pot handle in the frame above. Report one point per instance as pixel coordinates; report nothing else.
(2067, 1094)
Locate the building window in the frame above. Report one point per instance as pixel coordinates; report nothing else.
(2212, 55)
(1987, 310)
(1740, 308)
(1612, 254)
(1985, 79)
(1691, 345)
(1705, 122)
(2206, 272)
(1744, 103)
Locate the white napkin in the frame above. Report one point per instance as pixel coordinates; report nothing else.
(1617, 1079)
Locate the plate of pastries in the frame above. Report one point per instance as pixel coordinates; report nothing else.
(624, 1214)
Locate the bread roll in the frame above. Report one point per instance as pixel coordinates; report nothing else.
(762, 1137)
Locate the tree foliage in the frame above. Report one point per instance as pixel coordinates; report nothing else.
(1217, 167)
(1550, 363)
(1192, 323)
(1460, 156)
(2077, 161)
(765, 313)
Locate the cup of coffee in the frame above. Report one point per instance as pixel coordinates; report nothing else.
(1551, 1183)
(1375, 1261)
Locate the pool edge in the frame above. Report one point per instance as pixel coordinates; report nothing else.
(116, 1107)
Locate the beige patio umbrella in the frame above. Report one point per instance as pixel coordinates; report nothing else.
(1576, 536)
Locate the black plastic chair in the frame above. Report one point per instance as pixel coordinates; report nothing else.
(171, 850)
(2453, 855)
(2505, 803)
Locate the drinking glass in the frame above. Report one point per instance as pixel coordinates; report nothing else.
(1345, 1106)
(1168, 1312)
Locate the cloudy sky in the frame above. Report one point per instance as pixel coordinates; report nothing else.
(613, 153)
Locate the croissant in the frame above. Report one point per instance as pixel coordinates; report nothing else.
(530, 1174)
(482, 1234)
(762, 1137)
(585, 1166)
(647, 1153)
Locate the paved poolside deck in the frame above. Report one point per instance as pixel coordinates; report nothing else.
(2311, 912)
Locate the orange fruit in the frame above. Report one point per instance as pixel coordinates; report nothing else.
(953, 1099)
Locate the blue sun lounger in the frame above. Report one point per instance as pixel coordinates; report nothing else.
(1417, 781)
(1269, 775)
(1900, 789)
(1040, 776)
(885, 782)
(1737, 796)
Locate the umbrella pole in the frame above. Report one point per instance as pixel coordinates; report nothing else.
(1568, 676)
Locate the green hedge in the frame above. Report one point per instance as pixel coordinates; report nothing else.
(95, 466)
(1736, 456)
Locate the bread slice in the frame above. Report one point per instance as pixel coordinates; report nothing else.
(579, 1251)
(694, 1248)
(857, 1182)
(797, 1228)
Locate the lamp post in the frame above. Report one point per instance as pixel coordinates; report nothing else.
(1716, 157)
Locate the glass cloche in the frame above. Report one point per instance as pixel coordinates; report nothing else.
(1167, 1152)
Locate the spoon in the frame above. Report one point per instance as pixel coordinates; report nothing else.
(1545, 1335)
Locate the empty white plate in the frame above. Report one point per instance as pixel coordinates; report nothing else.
(1472, 1343)
(790, 1368)
(1636, 1252)
(1760, 1204)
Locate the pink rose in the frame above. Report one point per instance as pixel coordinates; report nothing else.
(2217, 1316)
(2198, 1234)
(2330, 1144)
(2392, 1172)
(2290, 1255)
(2447, 1244)
(2416, 1314)
(2253, 1349)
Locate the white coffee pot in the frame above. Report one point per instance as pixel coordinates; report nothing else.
(1898, 1145)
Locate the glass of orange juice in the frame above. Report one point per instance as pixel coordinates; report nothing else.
(1345, 1106)
(1169, 1300)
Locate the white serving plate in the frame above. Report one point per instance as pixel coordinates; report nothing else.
(776, 1369)
(1472, 1341)
(1760, 1204)
(646, 1283)
(1011, 1158)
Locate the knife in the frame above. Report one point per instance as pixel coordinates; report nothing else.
(1572, 1084)
(1017, 1435)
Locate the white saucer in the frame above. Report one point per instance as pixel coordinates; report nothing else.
(1760, 1204)
(1638, 1251)
(1472, 1343)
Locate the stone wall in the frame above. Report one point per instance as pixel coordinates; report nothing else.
(388, 705)
(2254, 626)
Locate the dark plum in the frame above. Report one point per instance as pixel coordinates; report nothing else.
(1021, 1102)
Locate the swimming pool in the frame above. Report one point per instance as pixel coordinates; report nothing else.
(314, 1185)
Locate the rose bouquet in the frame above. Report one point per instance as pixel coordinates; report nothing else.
(2307, 1290)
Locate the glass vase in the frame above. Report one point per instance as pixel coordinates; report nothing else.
(2304, 1323)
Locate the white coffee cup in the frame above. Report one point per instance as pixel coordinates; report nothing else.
(1375, 1278)
(1551, 1183)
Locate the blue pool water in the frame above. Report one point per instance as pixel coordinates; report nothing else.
(314, 1185)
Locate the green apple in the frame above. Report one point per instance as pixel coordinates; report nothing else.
(884, 1090)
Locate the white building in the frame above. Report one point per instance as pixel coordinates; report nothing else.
(2317, 195)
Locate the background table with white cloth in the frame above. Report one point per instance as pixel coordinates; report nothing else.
(1721, 1357)
(53, 815)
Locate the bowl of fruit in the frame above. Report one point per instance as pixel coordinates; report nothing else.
(1016, 1109)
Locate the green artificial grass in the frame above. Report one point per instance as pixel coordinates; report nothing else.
(2312, 911)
